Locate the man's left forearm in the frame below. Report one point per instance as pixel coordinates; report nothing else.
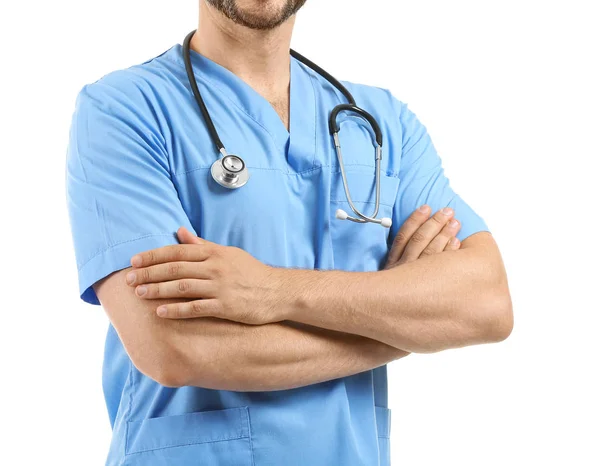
(449, 300)
(446, 300)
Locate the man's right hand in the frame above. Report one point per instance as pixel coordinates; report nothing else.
(422, 236)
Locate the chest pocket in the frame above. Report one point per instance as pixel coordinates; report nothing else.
(356, 246)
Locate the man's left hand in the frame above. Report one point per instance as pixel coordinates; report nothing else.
(222, 281)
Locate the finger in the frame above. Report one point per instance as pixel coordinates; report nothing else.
(425, 234)
(439, 243)
(453, 244)
(167, 272)
(185, 236)
(408, 228)
(190, 310)
(186, 288)
(174, 253)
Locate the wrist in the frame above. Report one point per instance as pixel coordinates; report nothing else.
(302, 291)
(286, 286)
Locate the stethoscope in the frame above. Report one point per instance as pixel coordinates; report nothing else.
(231, 172)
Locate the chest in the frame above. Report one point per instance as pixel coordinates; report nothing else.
(285, 214)
(289, 220)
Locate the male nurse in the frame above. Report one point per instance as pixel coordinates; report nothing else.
(250, 327)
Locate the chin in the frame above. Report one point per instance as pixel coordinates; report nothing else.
(258, 14)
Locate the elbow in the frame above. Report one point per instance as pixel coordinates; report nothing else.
(494, 319)
(170, 367)
(168, 377)
(163, 365)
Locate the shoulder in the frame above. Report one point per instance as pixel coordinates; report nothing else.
(132, 100)
(399, 124)
(401, 128)
(381, 101)
(139, 87)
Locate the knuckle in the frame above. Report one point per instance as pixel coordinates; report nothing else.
(196, 308)
(401, 238)
(150, 257)
(443, 236)
(173, 269)
(418, 237)
(428, 251)
(178, 312)
(416, 217)
(215, 270)
(146, 275)
(183, 286)
(216, 251)
(439, 219)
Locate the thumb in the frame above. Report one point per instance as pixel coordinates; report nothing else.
(185, 236)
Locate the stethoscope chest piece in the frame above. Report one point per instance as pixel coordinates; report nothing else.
(230, 172)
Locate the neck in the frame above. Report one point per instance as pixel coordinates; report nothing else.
(260, 58)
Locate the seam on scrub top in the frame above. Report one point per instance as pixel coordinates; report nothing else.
(274, 140)
(218, 88)
(249, 434)
(129, 408)
(337, 94)
(386, 173)
(338, 201)
(187, 444)
(387, 410)
(454, 196)
(110, 246)
(312, 84)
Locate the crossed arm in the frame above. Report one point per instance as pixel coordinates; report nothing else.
(260, 328)
(224, 355)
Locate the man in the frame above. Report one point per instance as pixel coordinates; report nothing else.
(250, 326)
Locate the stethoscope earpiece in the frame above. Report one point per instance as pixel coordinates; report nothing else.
(385, 222)
(341, 214)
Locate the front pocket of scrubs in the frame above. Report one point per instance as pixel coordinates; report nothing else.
(357, 246)
(208, 438)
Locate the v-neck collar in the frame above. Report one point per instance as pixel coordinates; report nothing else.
(299, 143)
(303, 118)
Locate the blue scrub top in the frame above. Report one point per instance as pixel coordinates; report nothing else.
(138, 168)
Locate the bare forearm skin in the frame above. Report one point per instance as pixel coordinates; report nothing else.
(219, 354)
(447, 300)
(278, 356)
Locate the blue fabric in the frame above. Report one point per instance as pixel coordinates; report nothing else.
(138, 168)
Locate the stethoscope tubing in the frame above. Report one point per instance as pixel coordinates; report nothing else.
(214, 135)
(232, 180)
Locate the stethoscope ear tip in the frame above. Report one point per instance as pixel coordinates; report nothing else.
(386, 222)
(341, 214)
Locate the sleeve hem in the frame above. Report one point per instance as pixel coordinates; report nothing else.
(464, 234)
(114, 258)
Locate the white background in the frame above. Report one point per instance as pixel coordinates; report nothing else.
(509, 91)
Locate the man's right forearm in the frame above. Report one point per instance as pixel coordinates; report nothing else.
(220, 354)
(231, 356)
